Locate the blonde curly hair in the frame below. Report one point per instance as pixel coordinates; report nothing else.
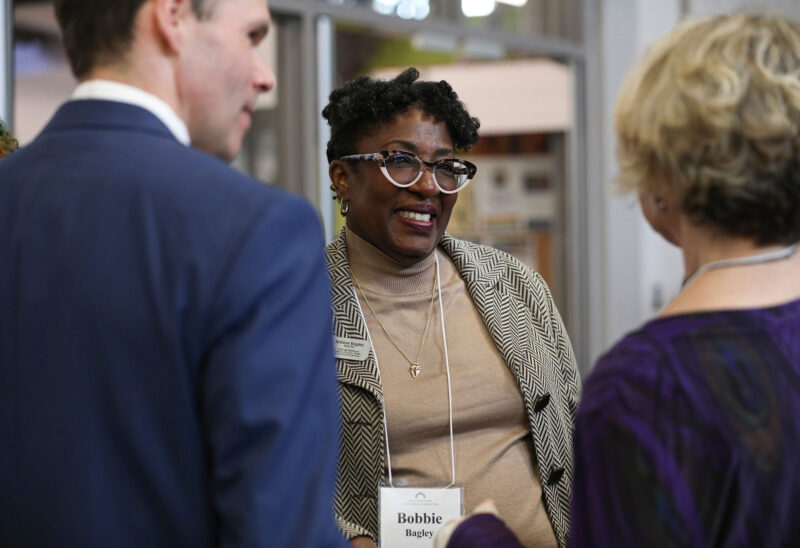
(711, 114)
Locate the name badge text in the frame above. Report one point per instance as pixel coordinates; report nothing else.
(410, 517)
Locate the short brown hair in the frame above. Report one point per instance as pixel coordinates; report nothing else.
(96, 32)
(712, 115)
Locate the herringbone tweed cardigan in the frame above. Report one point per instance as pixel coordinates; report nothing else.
(519, 312)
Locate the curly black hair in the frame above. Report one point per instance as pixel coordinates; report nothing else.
(363, 104)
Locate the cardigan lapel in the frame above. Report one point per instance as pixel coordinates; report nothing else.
(488, 280)
(350, 323)
(474, 269)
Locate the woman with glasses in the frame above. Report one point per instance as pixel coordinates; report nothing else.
(454, 367)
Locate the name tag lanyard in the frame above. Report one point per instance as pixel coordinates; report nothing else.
(449, 387)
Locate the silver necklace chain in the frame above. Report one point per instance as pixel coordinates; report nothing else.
(776, 255)
(415, 368)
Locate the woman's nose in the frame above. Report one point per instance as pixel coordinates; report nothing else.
(426, 184)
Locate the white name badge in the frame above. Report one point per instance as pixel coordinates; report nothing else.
(351, 349)
(410, 517)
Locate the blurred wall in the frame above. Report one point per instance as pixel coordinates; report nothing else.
(38, 96)
(639, 272)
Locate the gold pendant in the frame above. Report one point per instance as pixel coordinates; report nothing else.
(415, 370)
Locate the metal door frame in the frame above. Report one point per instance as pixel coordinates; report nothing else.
(7, 63)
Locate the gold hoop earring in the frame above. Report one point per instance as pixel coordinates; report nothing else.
(344, 207)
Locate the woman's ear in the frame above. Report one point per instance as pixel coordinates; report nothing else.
(339, 172)
(662, 214)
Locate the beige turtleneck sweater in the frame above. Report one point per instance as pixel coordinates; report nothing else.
(493, 449)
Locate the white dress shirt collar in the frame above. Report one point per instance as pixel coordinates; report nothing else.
(123, 93)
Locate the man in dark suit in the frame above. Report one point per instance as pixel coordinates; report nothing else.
(166, 365)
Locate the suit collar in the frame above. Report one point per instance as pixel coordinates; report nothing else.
(124, 93)
(106, 115)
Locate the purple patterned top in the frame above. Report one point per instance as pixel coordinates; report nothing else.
(689, 434)
(483, 531)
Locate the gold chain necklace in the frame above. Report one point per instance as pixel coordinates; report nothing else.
(414, 366)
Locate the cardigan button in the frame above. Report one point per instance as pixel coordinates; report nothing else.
(540, 403)
(555, 476)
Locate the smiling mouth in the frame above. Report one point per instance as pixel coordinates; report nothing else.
(414, 216)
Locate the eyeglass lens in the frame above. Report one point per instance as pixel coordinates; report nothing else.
(404, 169)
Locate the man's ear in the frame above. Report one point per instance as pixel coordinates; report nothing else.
(170, 21)
(339, 172)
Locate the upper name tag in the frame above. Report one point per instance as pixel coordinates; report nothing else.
(351, 349)
(410, 517)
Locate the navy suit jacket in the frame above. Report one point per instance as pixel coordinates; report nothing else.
(166, 364)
